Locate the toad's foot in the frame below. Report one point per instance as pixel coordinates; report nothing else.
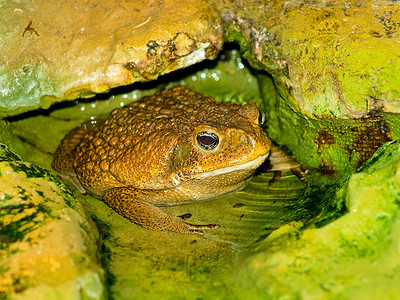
(125, 202)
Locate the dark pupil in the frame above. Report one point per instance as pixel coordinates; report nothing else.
(207, 140)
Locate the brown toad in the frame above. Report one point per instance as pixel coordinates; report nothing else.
(171, 148)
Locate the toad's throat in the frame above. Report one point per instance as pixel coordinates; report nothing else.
(247, 166)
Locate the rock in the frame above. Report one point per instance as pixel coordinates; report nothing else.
(329, 59)
(353, 257)
(334, 66)
(53, 51)
(48, 244)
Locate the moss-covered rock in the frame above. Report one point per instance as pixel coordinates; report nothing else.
(332, 148)
(48, 244)
(334, 59)
(354, 257)
(334, 66)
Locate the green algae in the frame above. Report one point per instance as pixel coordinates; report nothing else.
(334, 58)
(332, 147)
(354, 257)
(229, 78)
(334, 68)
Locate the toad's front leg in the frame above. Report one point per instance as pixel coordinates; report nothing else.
(125, 201)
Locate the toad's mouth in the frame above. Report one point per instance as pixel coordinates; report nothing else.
(247, 166)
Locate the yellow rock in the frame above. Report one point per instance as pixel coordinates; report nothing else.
(47, 242)
(59, 50)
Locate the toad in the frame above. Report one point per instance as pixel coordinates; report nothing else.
(172, 148)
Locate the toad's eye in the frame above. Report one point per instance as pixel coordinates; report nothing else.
(207, 140)
(261, 117)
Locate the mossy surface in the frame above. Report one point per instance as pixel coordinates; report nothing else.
(354, 257)
(333, 147)
(334, 58)
(333, 65)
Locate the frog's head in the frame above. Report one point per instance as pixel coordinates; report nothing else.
(228, 144)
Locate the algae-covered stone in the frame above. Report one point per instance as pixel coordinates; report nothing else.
(332, 58)
(331, 148)
(47, 242)
(354, 257)
(334, 66)
(51, 51)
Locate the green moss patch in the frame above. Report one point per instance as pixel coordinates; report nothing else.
(354, 257)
